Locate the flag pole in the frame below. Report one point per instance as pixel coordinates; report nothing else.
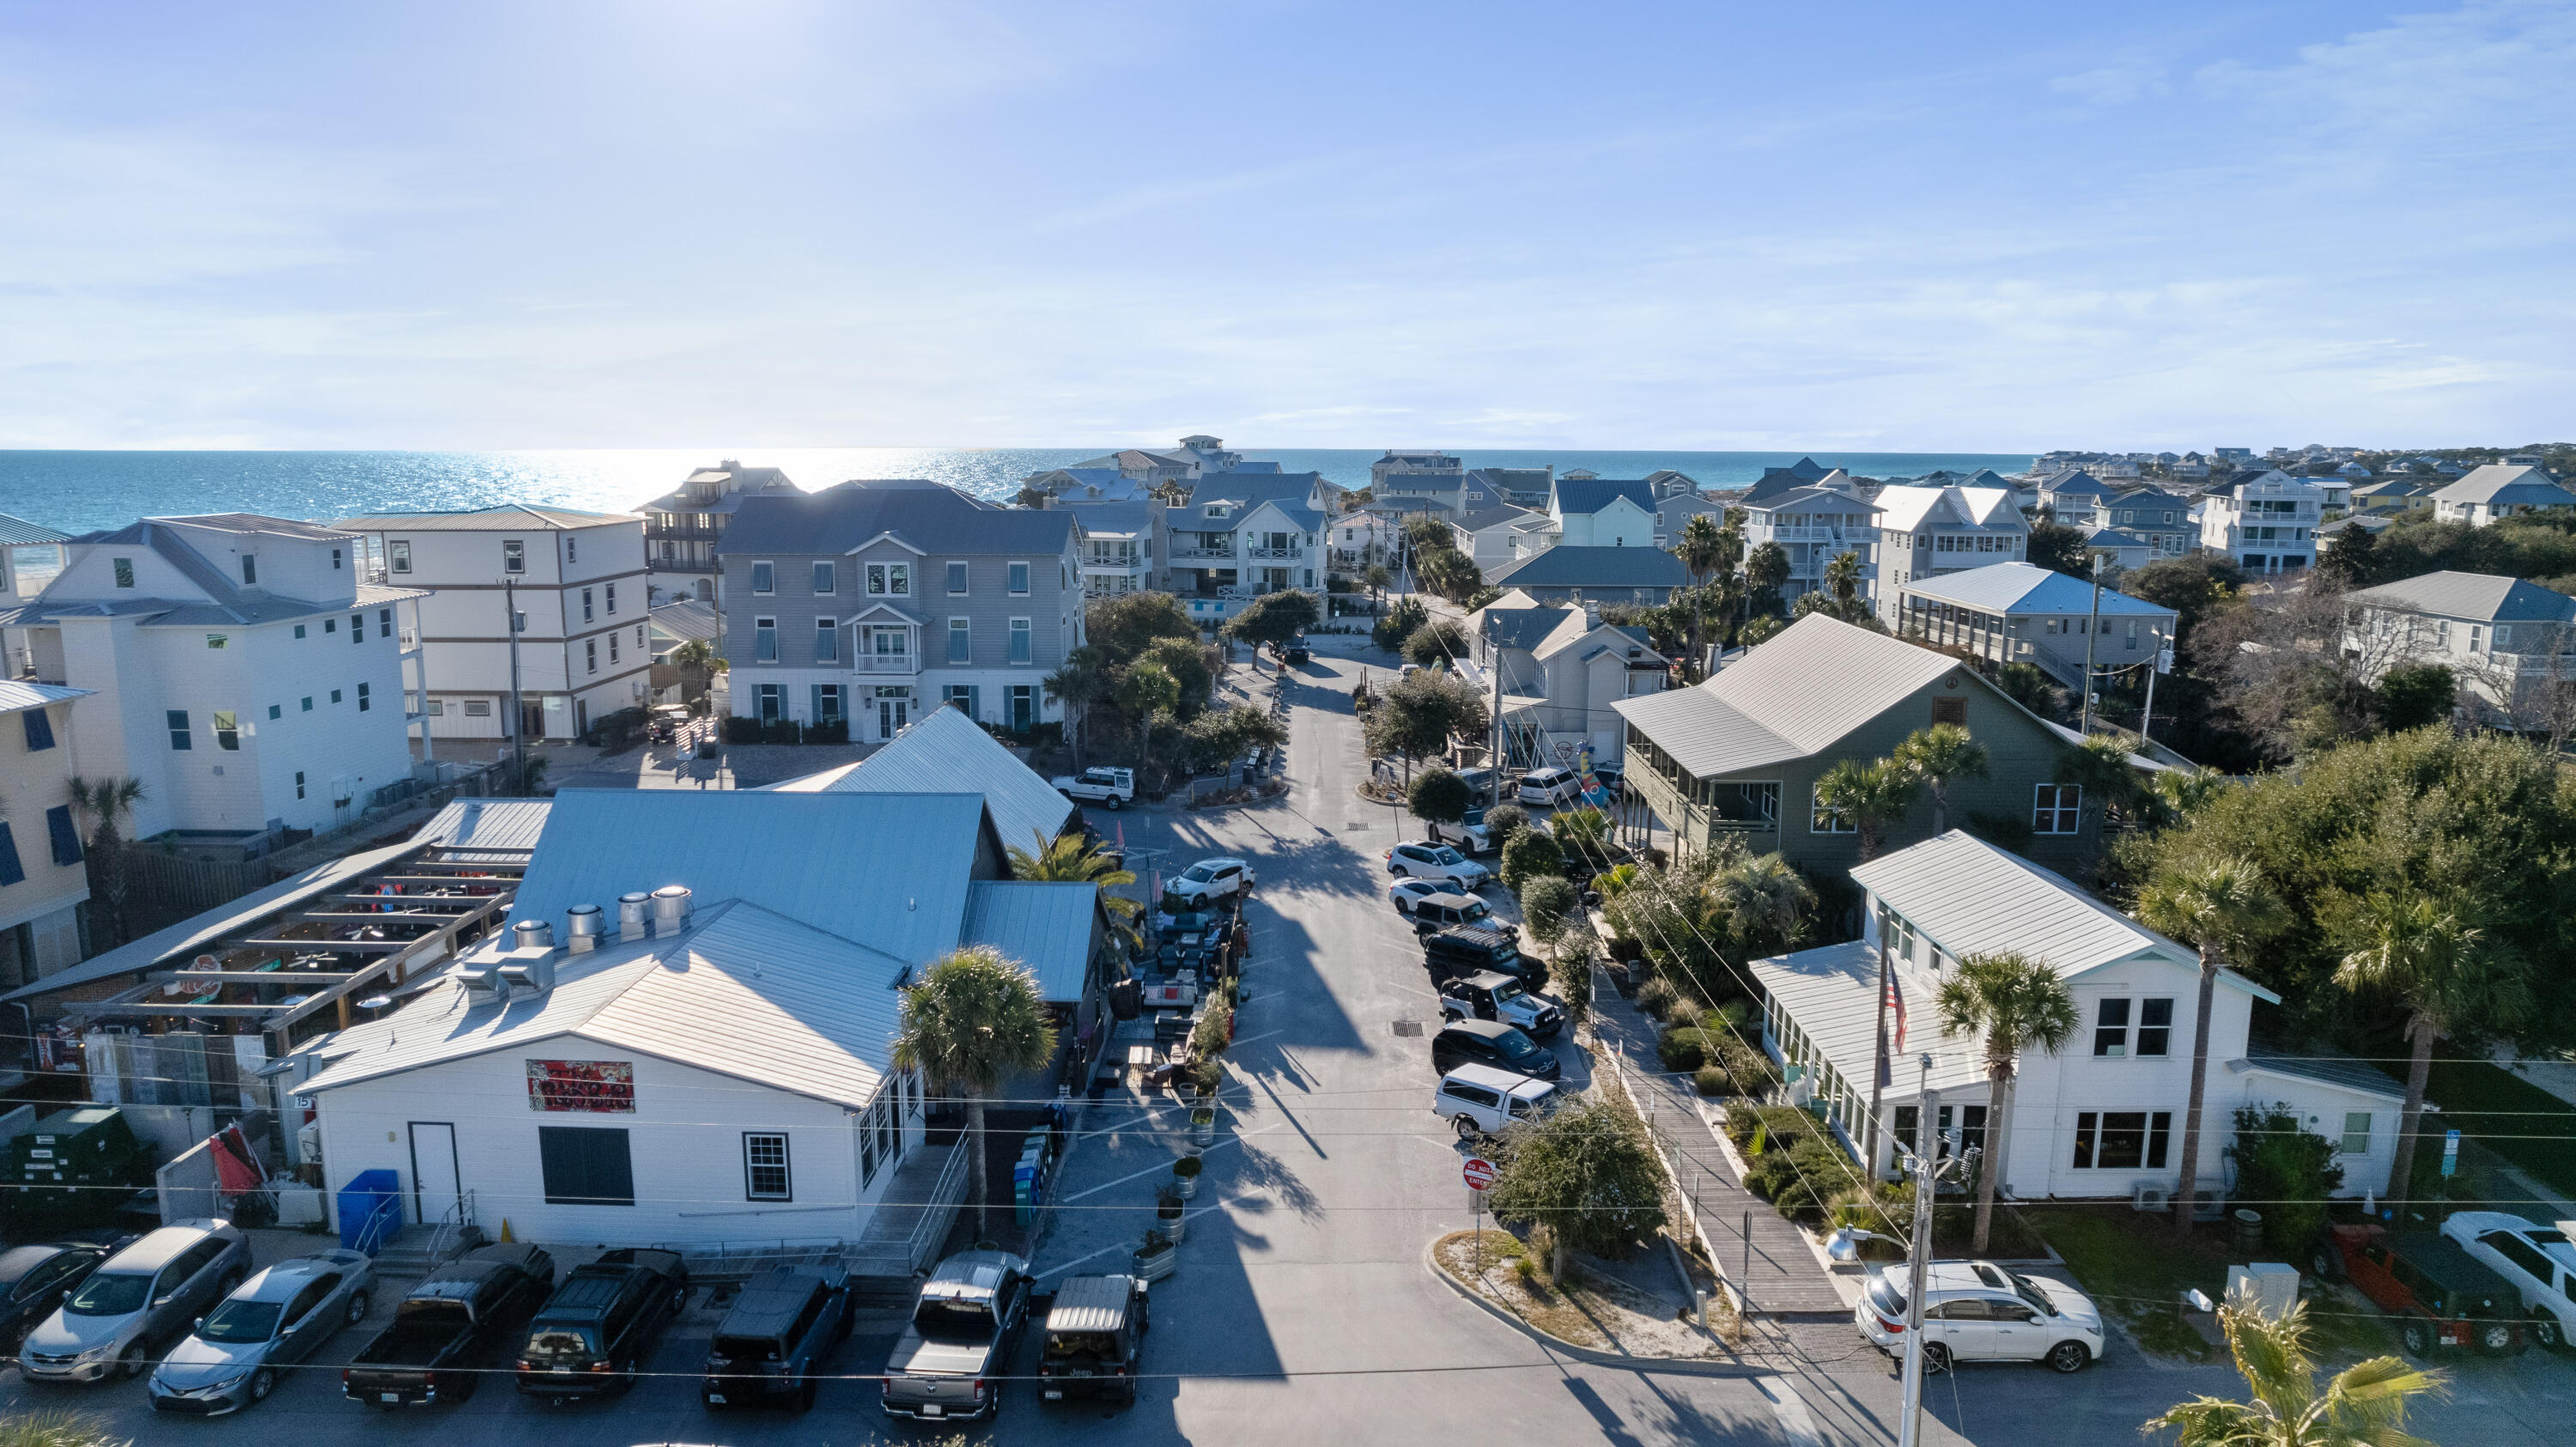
(1878, 1077)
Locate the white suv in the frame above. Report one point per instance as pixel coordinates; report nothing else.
(1480, 1100)
(1977, 1311)
(2539, 1260)
(1421, 859)
(1211, 879)
(1551, 785)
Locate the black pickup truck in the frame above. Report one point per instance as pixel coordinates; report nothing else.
(593, 1334)
(455, 1321)
(965, 1326)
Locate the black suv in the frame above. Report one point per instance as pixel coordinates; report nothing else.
(593, 1334)
(35, 1279)
(1471, 949)
(1490, 1042)
(779, 1332)
(1095, 1329)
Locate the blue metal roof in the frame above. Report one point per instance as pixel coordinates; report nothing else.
(15, 531)
(1045, 926)
(1592, 494)
(2015, 589)
(926, 515)
(1579, 567)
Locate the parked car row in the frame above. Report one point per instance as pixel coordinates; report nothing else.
(967, 1325)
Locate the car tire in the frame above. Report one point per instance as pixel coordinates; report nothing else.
(2549, 1331)
(263, 1382)
(2325, 1265)
(1397, 870)
(131, 1362)
(2417, 1337)
(1936, 1358)
(2069, 1356)
(1113, 804)
(357, 1308)
(2497, 1339)
(1466, 1128)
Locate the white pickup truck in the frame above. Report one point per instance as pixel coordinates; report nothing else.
(1109, 788)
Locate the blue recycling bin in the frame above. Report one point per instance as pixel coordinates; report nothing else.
(370, 1210)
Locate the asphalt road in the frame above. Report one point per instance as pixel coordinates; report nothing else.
(1302, 1315)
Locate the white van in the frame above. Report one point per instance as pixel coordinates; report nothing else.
(1551, 786)
(1480, 1100)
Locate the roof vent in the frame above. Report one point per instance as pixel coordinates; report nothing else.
(583, 926)
(529, 970)
(482, 982)
(533, 934)
(632, 908)
(671, 908)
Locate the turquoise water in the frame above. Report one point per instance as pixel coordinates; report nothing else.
(82, 491)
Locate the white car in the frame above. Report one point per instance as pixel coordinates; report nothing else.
(1421, 859)
(1112, 789)
(2539, 1260)
(1480, 1100)
(1210, 880)
(1551, 786)
(1405, 893)
(1976, 1311)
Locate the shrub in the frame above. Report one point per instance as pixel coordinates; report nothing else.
(1684, 1015)
(2290, 1170)
(1529, 855)
(741, 729)
(1710, 1080)
(1681, 1050)
(1732, 1015)
(830, 731)
(1396, 624)
(1503, 821)
(1657, 996)
(1752, 1070)
(1800, 1180)
(1886, 1208)
(1779, 1125)
(780, 731)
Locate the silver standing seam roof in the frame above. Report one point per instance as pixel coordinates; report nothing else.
(2474, 596)
(944, 751)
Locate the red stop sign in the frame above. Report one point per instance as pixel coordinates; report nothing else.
(1479, 1172)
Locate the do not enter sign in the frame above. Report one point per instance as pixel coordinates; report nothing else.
(1480, 1173)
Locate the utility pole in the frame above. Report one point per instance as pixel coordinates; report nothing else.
(2155, 666)
(2092, 632)
(1494, 666)
(1909, 1422)
(518, 714)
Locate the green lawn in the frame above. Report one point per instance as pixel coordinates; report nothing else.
(2134, 1269)
(2508, 1115)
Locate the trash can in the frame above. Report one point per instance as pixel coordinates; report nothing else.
(370, 1210)
(2249, 1229)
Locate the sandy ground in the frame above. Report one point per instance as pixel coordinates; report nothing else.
(1633, 1306)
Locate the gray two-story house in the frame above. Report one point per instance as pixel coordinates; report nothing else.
(877, 601)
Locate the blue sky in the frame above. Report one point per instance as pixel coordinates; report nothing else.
(1707, 226)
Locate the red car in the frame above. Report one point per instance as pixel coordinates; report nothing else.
(2441, 1296)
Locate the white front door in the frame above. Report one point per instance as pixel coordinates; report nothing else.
(892, 715)
(434, 1183)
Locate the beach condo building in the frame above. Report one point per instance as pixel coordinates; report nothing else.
(681, 528)
(570, 584)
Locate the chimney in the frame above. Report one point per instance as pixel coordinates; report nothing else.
(632, 909)
(671, 909)
(1591, 614)
(583, 926)
(532, 934)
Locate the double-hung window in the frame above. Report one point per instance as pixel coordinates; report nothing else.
(611, 590)
(764, 577)
(1019, 580)
(2056, 808)
(2155, 1026)
(2111, 1029)
(250, 571)
(961, 641)
(764, 640)
(2356, 1133)
(827, 640)
(612, 646)
(590, 655)
(957, 580)
(825, 581)
(124, 572)
(514, 556)
(585, 605)
(176, 720)
(398, 555)
(358, 628)
(1020, 647)
(765, 1175)
(889, 580)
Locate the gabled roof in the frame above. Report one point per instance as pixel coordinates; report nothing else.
(685, 619)
(225, 603)
(1250, 490)
(944, 751)
(888, 871)
(2075, 482)
(1819, 499)
(741, 992)
(17, 531)
(2016, 589)
(1495, 517)
(2477, 597)
(1832, 991)
(18, 697)
(1524, 627)
(923, 515)
(2498, 482)
(1591, 494)
(2348, 1074)
(1905, 509)
(507, 517)
(1045, 926)
(1110, 519)
(1564, 567)
(1818, 680)
(1972, 898)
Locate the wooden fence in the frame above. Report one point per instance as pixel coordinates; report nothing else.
(163, 889)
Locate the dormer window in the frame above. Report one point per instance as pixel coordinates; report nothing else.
(250, 570)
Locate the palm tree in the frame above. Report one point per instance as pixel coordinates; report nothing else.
(1765, 900)
(1080, 682)
(1072, 859)
(2216, 907)
(2100, 767)
(107, 803)
(2363, 1405)
(1377, 578)
(1699, 548)
(1766, 567)
(2020, 1004)
(972, 1018)
(1842, 576)
(1146, 691)
(1871, 796)
(1586, 829)
(2445, 973)
(1940, 756)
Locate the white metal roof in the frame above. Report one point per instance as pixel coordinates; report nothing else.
(887, 870)
(487, 830)
(18, 697)
(743, 992)
(1973, 898)
(1905, 509)
(944, 752)
(2474, 596)
(1832, 992)
(1818, 680)
(1043, 925)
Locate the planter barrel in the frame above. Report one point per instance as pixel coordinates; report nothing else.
(1156, 1266)
(1185, 1186)
(1203, 1126)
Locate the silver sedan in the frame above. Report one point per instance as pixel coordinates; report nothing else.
(276, 1319)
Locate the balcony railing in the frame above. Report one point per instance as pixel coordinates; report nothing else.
(1226, 552)
(1291, 551)
(887, 663)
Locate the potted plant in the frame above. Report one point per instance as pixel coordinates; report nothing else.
(1185, 1176)
(1203, 1124)
(1167, 1212)
(1156, 1259)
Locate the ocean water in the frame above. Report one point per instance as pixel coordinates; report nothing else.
(83, 491)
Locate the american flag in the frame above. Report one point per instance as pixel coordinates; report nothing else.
(1895, 1003)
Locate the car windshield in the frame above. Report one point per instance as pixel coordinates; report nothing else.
(1505, 994)
(2034, 1293)
(1474, 910)
(1199, 873)
(241, 1321)
(1516, 1045)
(110, 1293)
(1447, 856)
(954, 1320)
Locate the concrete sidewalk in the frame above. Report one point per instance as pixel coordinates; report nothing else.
(1764, 1257)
